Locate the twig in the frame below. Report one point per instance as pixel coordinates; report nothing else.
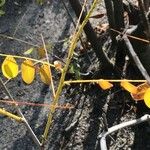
(133, 37)
(136, 59)
(98, 80)
(51, 78)
(91, 36)
(19, 40)
(74, 24)
(64, 71)
(115, 128)
(34, 137)
(79, 18)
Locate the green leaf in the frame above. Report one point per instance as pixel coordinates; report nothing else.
(29, 51)
(40, 2)
(2, 12)
(2, 2)
(71, 70)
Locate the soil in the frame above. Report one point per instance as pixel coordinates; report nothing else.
(26, 20)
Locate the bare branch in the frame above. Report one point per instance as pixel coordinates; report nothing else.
(136, 59)
(115, 128)
(35, 139)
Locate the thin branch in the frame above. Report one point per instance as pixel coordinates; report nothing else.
(115, 128)
(34, 137)
(51, 78)
(136, 59)
(98, 80)
(16, 39)
(74, 24)
(64, 71)
(131, 36)
(91, 36)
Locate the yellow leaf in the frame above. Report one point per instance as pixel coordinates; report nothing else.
(58, 65)
(147, 98)
(45, 74)
(29, 51)
(27, 71)
(140, 92)
(129, 87)
(105, 84)
(9, 67)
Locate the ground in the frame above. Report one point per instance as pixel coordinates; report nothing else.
(27, 21)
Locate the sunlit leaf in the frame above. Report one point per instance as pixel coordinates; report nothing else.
(129, 87)
(45, 74)
(58, 65)
(140, 92)
(10, 67)
(105, 84)
(147, 98)
(29, 51)
(28, 71)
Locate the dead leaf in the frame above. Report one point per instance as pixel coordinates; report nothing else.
(141, 89)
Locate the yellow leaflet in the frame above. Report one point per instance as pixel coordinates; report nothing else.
(147, 98)
(105, 84)
(129, 87)
(141, 89)
(10, 67)
(45, 74)
(27, 71)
